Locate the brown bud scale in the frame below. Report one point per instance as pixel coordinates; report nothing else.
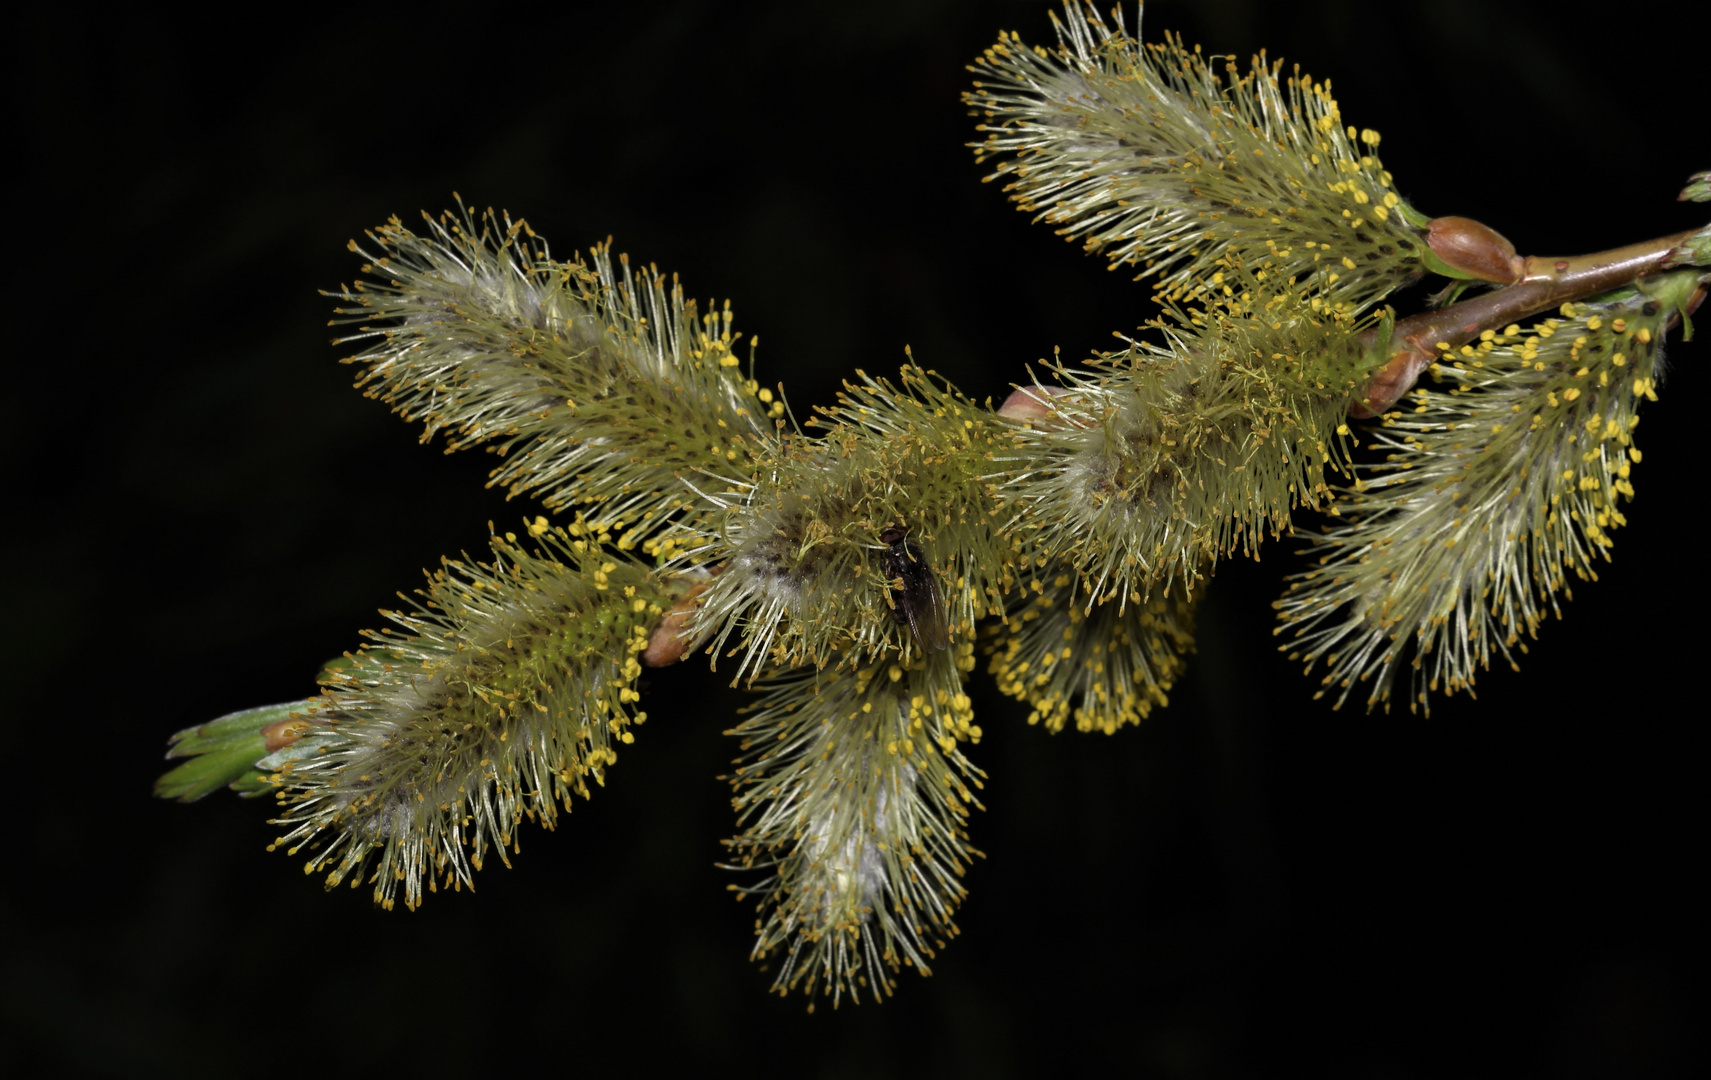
(667, 643)
(1475, 249)
(282, 733)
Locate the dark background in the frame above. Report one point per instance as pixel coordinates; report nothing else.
(1250, 884)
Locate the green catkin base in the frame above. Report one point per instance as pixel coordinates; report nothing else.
(1498, 486)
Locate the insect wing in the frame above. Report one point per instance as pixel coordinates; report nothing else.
(918, 601)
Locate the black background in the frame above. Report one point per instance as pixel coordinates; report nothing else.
(200, 511)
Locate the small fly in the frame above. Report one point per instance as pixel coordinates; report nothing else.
(914, 593)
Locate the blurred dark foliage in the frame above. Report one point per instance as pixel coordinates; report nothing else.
(200, 511)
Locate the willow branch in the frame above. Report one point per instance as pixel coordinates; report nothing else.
(1544, 283)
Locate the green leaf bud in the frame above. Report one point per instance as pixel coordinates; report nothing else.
(227, 751)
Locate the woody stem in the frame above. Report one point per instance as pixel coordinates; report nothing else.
(1544, 284)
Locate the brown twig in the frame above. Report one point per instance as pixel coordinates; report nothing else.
(1544, 283)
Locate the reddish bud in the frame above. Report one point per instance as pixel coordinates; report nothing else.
(1476, 250)
(666, 645)
(1032, 404)
(1390, 382)
(1029, 403)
